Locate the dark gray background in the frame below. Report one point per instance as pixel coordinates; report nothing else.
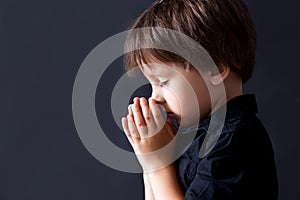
(42, 45)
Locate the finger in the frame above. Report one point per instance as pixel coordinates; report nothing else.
(145, 110)
(126, 129)
(137, 113)
(157, 115)
(148, 118)
(132, 128)
(129, 110)
(139, 121)
(125, 126)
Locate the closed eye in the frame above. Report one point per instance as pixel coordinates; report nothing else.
(163, 83)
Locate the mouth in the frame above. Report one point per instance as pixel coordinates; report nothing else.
(171, 116)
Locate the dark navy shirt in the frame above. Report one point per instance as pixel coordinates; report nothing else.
(241, 163)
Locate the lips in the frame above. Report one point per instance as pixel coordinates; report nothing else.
(172, 118)
(170, 114)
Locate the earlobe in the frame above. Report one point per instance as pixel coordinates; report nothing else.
(219, 77)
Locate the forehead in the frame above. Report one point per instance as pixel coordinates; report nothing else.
(158, 69)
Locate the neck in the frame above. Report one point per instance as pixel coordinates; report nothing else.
(233, 88)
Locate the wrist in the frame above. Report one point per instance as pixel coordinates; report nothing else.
(165, 178)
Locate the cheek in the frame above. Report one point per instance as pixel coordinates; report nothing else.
(173, 102)
(192, 104)
(181, 103)
(189, 106)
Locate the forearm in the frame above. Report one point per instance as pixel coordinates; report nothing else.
(164, 184)
(148, 189)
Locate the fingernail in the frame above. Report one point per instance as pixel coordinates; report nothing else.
(143, 100)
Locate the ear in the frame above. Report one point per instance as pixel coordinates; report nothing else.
(220, 76)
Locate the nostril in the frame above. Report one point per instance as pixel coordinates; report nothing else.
(156, 95)
(158, 99)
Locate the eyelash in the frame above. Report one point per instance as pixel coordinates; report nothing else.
(161, 84)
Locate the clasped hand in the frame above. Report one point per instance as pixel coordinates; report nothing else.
(147, 132)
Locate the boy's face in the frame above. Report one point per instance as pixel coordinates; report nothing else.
(182, 93)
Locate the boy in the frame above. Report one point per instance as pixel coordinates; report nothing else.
(240, 165)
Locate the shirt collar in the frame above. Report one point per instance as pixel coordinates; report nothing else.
(236, 108)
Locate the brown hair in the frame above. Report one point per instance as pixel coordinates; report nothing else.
(222, 27)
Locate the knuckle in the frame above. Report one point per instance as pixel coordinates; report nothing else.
(148, 118)
(134, 133)
(141, 124)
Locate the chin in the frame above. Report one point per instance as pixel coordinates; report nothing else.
(187, 124)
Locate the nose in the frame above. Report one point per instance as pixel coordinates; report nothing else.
(157, 95)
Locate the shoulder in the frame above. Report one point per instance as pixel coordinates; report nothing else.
(238, 154)
(242, 138)
(229, 147)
